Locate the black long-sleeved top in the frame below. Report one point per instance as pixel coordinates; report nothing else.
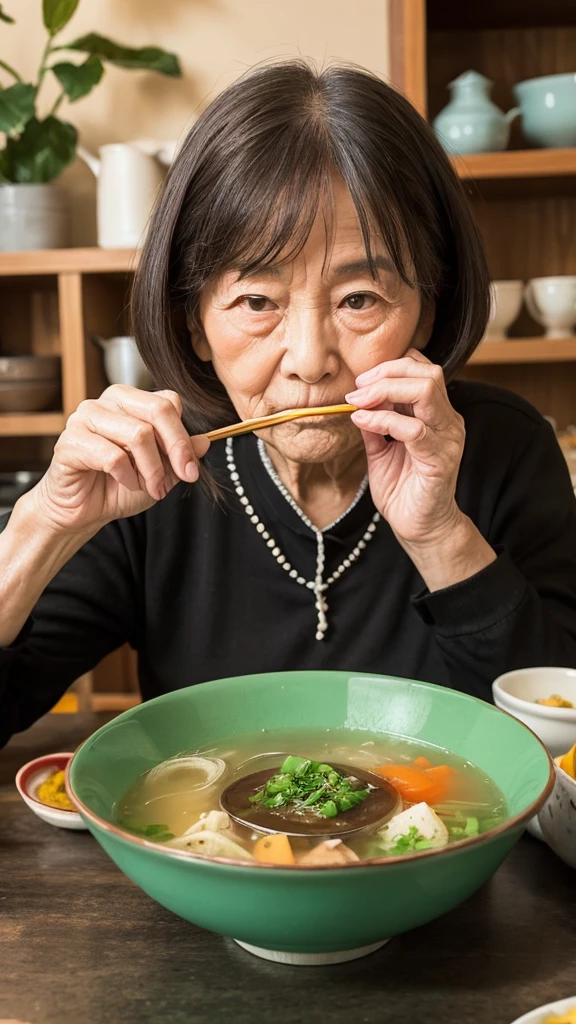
(196, 591)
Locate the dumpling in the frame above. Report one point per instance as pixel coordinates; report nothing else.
(210, 844)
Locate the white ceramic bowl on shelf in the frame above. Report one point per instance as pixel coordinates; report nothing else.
(505, 305)
(518, 691)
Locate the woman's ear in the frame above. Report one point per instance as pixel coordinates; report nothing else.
(200, 345)
(425, 324)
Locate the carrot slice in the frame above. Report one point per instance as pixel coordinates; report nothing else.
(274, 849)
(443, 775)
(421, 762)
(413, 784)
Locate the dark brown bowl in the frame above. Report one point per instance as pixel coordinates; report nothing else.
(29, 395)
(29, 368)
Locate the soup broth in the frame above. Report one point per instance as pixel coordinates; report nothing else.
(441, 798)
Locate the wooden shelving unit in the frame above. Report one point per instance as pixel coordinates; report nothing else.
(524, 199)
(520, 163)
(51, 302)
(525, 350)
(31, 424)
(67, 261)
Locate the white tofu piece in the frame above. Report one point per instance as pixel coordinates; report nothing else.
(420, 816)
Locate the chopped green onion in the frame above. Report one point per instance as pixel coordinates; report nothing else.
(314, 797)
(310, 784)
(291, 764)
(328, 809)
(413, 841)
(302, 769)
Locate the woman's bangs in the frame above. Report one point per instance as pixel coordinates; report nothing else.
(274, 233)
(276, 226)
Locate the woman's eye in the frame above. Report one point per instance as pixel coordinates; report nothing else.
(257, 303)
(359, 301)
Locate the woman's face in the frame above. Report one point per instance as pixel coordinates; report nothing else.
(300, 333)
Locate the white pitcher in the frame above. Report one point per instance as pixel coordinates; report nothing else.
(122, 362)
(128, 183)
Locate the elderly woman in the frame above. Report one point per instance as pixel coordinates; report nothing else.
(312, 245)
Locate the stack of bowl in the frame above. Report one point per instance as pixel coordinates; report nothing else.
(29, 383)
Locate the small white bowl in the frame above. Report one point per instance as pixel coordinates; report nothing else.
(29, 778)
(517, 693)
(540, 1014)
(557, 818)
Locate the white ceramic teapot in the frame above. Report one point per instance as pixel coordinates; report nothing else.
(128, 183)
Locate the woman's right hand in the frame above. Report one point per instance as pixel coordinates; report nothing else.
(118, 456)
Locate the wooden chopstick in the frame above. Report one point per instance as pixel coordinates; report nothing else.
(278, 417)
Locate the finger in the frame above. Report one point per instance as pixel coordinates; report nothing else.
(201, 444)
(83, 450)
(163, 411)
(135, 436)
(413, 364)
(428, 402)
(388, 423)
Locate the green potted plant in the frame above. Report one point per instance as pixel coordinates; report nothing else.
(39, 146)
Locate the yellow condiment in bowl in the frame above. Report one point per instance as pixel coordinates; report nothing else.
(53, 792)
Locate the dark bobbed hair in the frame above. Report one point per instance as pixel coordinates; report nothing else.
(246, 187)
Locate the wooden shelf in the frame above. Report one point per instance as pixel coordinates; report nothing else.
(31, 424)
(68, 261)
(525, 350)
(517, 163)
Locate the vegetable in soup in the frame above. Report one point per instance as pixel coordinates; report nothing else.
(292, 797)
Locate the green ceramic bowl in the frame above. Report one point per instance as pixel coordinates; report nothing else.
(298, 914)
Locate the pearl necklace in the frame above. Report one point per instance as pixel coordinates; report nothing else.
(318, 585)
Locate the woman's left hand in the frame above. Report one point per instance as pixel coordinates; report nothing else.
(412, 477)
(414, 441)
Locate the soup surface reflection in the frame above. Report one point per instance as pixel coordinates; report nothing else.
(439, 798)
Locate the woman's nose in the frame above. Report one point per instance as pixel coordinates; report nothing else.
(310, 349)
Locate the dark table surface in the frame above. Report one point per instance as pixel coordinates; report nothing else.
(80, 944)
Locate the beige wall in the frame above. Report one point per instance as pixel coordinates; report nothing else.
(216, 41)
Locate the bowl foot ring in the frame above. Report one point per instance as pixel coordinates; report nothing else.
(312, 959)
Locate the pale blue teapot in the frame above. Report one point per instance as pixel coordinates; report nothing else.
(471, 123)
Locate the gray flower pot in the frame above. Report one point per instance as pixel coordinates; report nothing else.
(33, 217)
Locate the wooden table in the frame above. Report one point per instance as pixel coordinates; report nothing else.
(80, 944)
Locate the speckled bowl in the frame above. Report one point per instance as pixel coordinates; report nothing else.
(557, 818)
(29, 778)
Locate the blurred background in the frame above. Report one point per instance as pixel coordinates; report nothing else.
(122, 80)
(215, 40)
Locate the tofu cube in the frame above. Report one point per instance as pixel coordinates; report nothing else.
(420, 817)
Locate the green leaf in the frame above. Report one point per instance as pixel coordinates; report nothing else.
(413, 840)
(5, 17)
(57, 14)
(78, 80)
(16, 106)
(41, 153)
(149, 58)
